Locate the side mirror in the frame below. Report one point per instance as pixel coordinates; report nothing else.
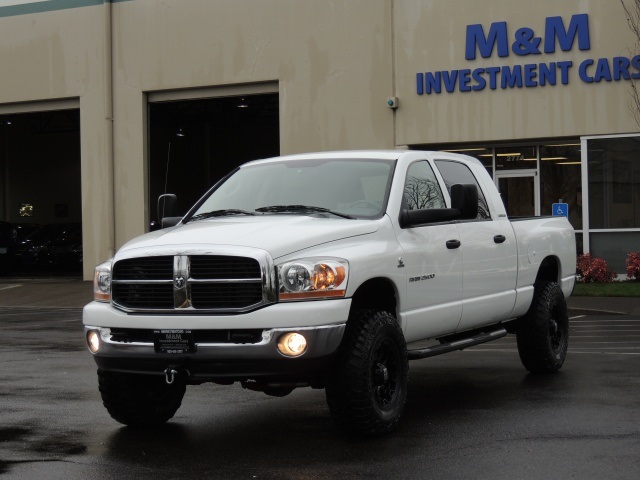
(167, 208)
(464, 197)
(413, 218)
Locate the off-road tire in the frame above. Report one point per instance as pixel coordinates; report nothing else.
(368, 387)
(139, 400)
(543, 335)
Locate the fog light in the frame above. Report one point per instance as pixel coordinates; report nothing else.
(93, 341)
(292, 344)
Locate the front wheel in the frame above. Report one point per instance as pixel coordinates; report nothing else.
(368, 388)
(139, 400)
(543, 337)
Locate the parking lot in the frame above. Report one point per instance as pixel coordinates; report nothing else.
(470, 414)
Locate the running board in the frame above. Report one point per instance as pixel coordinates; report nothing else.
(457, 345)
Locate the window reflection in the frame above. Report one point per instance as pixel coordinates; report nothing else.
(455, 172)
(561, 179)
(614, 182)
(421, 190)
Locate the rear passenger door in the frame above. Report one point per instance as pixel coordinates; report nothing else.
(488, 292)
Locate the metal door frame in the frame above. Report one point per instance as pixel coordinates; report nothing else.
(533, 173)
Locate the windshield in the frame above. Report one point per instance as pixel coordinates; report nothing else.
(351, 188)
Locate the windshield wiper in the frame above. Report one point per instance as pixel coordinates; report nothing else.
(300, 208)
(220, 213)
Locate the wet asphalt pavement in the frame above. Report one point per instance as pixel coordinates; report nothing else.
(470, 414)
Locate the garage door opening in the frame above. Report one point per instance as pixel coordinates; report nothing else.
(40, 194)
(194, 143)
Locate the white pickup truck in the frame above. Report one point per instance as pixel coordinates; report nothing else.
(322, 270)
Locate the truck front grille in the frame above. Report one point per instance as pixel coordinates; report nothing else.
(190, 283)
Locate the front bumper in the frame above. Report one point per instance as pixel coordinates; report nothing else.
(229, 360)
(226, 360)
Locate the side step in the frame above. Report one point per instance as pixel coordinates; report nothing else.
(457, 345)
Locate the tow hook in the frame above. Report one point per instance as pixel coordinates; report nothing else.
(171, 373)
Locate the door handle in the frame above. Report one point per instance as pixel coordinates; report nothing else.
(453, 244)
(499, 238)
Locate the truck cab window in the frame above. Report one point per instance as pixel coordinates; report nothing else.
(456, 172)
(421, 189)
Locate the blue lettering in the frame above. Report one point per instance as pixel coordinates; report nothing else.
(635, 62)
(433, 83)
(464, 80)
(583, 71)
(480, 81)
(420, 83)
(476, 40)
(530, 75)
(526, 43)
(564, 71)
(602, 71)
(547, 73)
(554, 30)
(511, 78)
(621, 68)
(493, 77)
(450, 79)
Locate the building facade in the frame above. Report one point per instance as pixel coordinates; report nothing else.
(105, 104)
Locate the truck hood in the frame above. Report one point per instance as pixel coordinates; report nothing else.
(277, 234)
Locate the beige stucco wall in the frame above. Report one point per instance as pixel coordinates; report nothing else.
(331, 59)
(430, 36)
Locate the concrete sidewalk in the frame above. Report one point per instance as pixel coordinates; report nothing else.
(75, 293)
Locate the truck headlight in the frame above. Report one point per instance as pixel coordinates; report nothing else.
(102, 282)
(312, 278)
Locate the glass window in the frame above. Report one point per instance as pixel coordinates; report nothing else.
(516, 158)
(456, 172)
(561, 179)
(614, 182)
(484, 154)
(421, 190)
(613, 248)
(359, 188)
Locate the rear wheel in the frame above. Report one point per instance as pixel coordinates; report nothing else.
(543, 336)
(139, 400)
(368, 389)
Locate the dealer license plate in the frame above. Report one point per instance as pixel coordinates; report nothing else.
(174, 341)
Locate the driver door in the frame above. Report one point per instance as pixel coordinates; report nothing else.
(432, 263)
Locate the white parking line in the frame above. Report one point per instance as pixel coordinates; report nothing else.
(7, 287)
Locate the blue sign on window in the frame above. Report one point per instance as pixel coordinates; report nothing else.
(560, 210)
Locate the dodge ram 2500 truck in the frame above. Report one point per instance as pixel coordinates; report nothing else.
(325, 270)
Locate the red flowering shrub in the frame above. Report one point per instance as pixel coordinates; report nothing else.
(593, 270)
(633, 266)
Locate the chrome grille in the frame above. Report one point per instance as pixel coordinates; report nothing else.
(191, 283)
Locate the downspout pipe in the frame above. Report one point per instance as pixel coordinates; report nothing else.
(108, 108)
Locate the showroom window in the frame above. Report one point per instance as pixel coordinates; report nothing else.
(613, 183)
